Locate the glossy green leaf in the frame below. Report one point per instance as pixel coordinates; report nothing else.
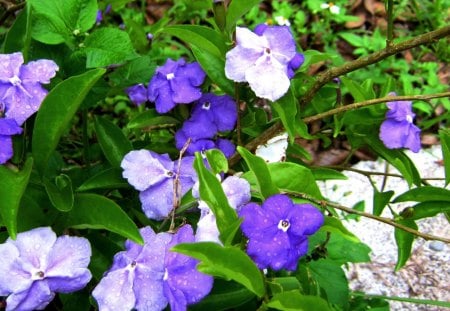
(380, 200)
(444, 136)
(217, 161)
(112, 141)
(236, 10)
(334, 225)
(265, 186)
(426, 209)
(98, 212)
(358, 92)
(214, 66)
(108, 179)
(321, 173)
(295, 301)
(60, 192)
(211, 192)
(55, 114)
(404, 242)
(286, 108)
(227, 262)
(13, 185)
(283, 284)
(18, 37)
(422, 194)
(138, 70)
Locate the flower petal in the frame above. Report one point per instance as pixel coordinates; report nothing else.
(305, 219)
(149, 290)
(239, 60)
(157, 201)
(37, 297)
(10, 65)
(6, 148)
(39, 71)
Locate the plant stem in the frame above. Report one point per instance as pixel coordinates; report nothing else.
(390, 26)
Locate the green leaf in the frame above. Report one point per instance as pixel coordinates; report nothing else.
(236, 10)
(108, 179)
(55, 114)
(358, 92)
(404, 242)
(211, 192)
(92, 211)
(60, 192)
(426, 209)
(342, 250)
(108, 46)
(422, 194)
(294, 301)
(286, 108)
(444, 136)
(226, 262)
(18, 37)
(203, 38)
(282, 284)
(138, 70)
(113, 142)
(380, 200)
(217, 161)
(149, 119)
(214, 66)
(321, 173)
(258, 166)
(13, 185)
(57, 21)
(334, 225)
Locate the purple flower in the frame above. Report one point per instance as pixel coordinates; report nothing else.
(262, 59)
(220, 110)
(176, 82)
(398, 130)
(37, 264)
(137, 94)
(8, 127)
(278, 231)
(20, 85)
(150, 276)
(153, 175)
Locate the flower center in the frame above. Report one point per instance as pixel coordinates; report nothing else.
(267, 51)
(38, 275)
(15, 81)
(409, 118)
(170, 76)
(284, 225)
(206, 105)
(169, 174)
(166, 275)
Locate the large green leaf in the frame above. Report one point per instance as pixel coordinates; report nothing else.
(138, 70)
(227, 262)
(295, 301)
(55, 114)
(426, 209)
(211, 192)
(108, 179)
(57, 21)
(18, 37)
(380, 200)
(404, 242)
(264, 184)
(108, 46)
(236, 10)
(112, 141)
(422, 194)
(98, 212)
(444, 135)
(334, 225)
(13, 185)
(286, 108)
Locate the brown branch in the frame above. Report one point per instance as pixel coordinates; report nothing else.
(385, 220)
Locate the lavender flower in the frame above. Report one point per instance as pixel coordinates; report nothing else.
(262, 60)
(20, 85)
(8, 127)
(153, 175)
(137, 94)
(220, 110)
(278, 231)
(37, 264)
(176, 82)
(398, 130)
(149, 276)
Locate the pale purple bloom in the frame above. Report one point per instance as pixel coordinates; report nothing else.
(21, 92)
(137, 94)
(278, 231)
(8, 128)
(37, 265)
(150, 276)
(176, 82)
(262, 60)
(398, 129)
(154, 175)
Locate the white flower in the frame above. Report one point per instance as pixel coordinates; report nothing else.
(334, 9)
(282, 21)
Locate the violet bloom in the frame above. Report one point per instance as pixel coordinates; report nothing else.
(398, 130)
(176, 82)
(38, 264)
(150, 276)
(137, 94)
(278, 231)
(262, 60)
(8, 128)
(154, 175)
(20, 85)
(220, 110)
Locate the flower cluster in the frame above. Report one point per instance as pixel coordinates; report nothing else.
(37, 264)
(150, 276)
(278, 231)
(398, 129)
(154, 176)
(266, 59)
(21, 95)
(210, 115)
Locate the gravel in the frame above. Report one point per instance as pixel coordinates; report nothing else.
(426, 275)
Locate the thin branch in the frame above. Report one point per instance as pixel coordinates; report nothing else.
(388, 221)
(390, 26)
